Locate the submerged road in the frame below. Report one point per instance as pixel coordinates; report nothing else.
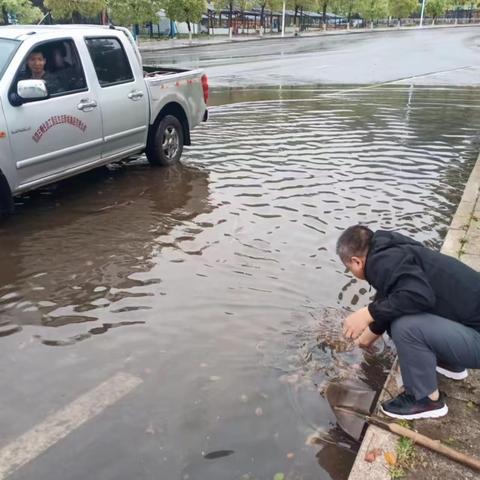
(423, 57)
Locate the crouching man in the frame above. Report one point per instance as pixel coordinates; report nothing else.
(429, 303)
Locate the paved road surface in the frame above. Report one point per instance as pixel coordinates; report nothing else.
(432, 57)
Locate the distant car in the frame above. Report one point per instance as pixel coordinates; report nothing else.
(73, 98)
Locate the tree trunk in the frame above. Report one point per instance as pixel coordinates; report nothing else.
(271, 20)
(301, 19)
(4, 15)
(189, 31)
(324, 13)
(230, 21)
(212, 22)
(295, 16)
(262, 19)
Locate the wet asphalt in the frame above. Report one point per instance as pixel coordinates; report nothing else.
(429, 57)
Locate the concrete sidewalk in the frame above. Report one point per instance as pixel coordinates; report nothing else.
(460, 429)
(159, 45)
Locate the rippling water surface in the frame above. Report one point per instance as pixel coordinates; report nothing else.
(217, 283)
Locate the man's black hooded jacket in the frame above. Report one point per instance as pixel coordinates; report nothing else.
(410, 278)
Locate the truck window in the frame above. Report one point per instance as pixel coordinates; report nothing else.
(110, 61)
(7, 49)
(58, 64)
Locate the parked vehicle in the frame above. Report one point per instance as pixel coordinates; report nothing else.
(74, 97)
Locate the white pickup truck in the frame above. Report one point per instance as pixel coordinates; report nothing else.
(75, 97)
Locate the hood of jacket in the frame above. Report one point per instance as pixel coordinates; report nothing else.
(383, 240)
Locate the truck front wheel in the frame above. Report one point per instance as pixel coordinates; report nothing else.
(6, 199)
(166, 144)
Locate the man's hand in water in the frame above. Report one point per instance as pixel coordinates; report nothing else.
(367, 338)
(356, 323)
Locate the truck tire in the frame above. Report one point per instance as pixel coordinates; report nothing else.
(166, 145)
(6, 199)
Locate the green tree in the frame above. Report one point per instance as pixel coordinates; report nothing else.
(402, 8)
(345, 7)
(73, 9)
(24, 11)
(133, 12)
(466, 5)
(189, 11)
(229, 5)
(272, 5)
(300, 6)
(372, 10)
(323, 4)
(436, 8)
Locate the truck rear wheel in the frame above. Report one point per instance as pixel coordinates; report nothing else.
(166, 145)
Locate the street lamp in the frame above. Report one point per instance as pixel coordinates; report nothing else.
(423, 12)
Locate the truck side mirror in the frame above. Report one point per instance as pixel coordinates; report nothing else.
(31, 90)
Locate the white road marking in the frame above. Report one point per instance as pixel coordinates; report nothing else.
(58, 425)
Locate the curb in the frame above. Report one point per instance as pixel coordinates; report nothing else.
(147, 49)
(462, 220)
(375, 437)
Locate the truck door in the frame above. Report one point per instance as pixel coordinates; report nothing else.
(122, 95)
(61, 133)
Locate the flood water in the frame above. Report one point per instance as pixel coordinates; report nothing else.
(216, 282)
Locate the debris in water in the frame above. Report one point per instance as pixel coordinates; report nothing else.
(313, 439)
(218, 454)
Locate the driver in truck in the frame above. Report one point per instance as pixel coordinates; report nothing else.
(36, 69)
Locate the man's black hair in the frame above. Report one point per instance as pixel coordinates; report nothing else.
(354, 242)
(37, 50)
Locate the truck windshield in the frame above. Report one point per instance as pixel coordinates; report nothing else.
(7, 49)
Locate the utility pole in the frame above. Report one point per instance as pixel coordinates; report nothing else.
(422, 14)
(283, 17)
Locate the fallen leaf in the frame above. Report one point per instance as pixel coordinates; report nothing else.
(290, 455)
(279, 476)
(259, 412)
(372, 455)
(390, 458)
(313, 439)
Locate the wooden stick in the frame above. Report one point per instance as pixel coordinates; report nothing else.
(435, 445)
(418, 438)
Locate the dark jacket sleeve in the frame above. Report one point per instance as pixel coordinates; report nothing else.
(404, 290)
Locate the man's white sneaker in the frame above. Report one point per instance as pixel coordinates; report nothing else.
(452, 372)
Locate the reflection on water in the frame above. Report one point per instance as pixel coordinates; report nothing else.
(77, 264)
(223, 275)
